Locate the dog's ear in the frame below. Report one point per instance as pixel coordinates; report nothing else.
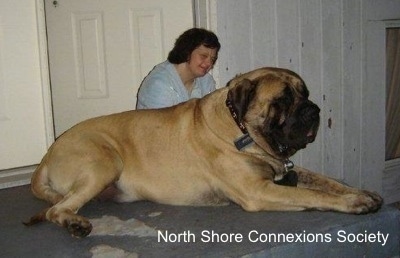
(241, 95)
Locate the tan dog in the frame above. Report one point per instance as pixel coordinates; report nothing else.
(232, 145)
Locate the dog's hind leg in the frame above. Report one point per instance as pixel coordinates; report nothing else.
(91, 178)
(64, 213)
(40, 185)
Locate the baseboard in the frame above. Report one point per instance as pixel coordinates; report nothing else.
(391, 181)
(16, 176)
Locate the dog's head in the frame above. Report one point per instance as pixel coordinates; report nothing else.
(273, 105)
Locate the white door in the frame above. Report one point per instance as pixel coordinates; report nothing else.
(100, 51)
(22, 119)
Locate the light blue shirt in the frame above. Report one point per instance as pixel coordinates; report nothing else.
(164, 88)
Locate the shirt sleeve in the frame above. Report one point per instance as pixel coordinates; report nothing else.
(155, 93)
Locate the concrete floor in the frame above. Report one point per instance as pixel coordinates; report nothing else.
(302, 234)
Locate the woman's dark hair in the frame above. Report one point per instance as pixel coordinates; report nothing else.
(189, 41)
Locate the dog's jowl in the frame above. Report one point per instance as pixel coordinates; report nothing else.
(186, 155)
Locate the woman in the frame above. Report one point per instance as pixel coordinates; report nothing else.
(185, 73)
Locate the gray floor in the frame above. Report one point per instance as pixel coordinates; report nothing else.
(49, 240)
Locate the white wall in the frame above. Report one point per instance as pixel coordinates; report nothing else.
(324, 41)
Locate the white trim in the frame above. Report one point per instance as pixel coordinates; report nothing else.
(44, 69)
(16, 177)
(391, 181)
(393, 163)
(205, 13)
(392, 23)
(205, 16)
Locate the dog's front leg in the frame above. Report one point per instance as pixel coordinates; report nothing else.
(311, 180)
(264, 194)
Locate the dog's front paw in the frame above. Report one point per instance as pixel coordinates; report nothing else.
(79, 228)
(363, 202)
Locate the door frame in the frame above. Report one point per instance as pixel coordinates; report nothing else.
(391, 173)
(377, 17)
(45, 72)
(22, 175)
(205, 16)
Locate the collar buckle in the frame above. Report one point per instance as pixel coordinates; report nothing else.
(288, 165)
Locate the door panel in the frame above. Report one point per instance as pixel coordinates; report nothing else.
(22, 119)
(100, 51)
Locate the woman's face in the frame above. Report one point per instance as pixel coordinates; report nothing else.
(202, 60)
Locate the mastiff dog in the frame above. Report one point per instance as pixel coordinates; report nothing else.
(233, 145)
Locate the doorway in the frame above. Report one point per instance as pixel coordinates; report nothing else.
(391, 175)
(100, 51)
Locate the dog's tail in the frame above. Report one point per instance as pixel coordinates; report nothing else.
(41, 216)
(41, 188)
(40, 184)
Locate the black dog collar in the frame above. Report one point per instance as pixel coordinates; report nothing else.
(244, 140)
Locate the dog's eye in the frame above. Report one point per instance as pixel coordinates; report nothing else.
(282, 104)
(286, 100)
